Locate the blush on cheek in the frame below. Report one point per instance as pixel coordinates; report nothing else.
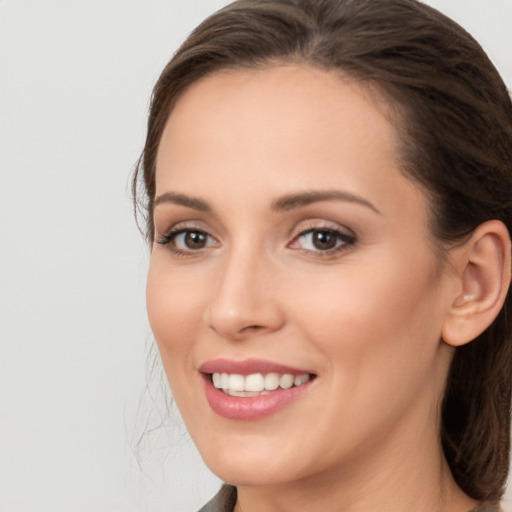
(174, 317)
(169, 328)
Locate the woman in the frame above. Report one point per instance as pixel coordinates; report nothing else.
(328, 192)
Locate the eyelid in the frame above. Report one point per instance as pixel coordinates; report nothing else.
(169, 236)
(344, 234)
(346, 237)
(190, 224)
(321, 224)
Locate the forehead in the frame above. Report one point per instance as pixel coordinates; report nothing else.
(279, 127)
(298, 94)
(270, 106)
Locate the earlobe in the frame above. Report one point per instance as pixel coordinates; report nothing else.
(483, 266)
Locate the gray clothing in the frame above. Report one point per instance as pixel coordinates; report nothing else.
(225, 501)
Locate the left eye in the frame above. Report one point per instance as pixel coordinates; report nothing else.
(192, 240)
(187, 240)
(324, 240)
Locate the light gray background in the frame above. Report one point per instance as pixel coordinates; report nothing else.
(75, 79)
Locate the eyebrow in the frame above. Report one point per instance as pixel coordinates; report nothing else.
(285, 203)
(183, 200)
(289, 202)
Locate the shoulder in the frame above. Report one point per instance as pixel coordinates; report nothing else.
(487, 507)
(223, 501)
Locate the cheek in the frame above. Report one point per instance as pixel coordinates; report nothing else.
(175, 312)
(380, 337)
(372, 323)
(174, 305)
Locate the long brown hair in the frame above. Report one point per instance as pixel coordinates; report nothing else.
(455, 122)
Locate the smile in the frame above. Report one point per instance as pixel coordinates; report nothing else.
(252, 389)
(256, 384)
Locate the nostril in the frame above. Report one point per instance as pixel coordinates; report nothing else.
(237, 317)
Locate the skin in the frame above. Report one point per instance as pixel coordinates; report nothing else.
(366, 319)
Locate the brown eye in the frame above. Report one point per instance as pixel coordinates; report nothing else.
(324, 240)
(187, 240)
(195, 239)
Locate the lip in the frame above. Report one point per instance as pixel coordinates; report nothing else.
(248, 366)
(250, 408)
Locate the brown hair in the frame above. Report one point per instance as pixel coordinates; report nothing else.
(456, 131)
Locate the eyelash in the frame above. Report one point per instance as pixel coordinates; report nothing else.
(343, 241)
(169, 240)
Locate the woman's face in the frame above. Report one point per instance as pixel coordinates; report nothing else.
(291, 251)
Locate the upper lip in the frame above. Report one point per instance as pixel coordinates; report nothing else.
(248, 366)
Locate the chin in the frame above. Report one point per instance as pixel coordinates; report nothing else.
(250, 465)
(246, 473)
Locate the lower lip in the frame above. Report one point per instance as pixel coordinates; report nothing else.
(251, 408)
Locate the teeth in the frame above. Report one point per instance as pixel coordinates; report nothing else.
(236, 382)
(286, 381)
(271, 381)
(300, 379)
(256, 384)
(245, 393)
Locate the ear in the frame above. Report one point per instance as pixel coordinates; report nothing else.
(482, 267)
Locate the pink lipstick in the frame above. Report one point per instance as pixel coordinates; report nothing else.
(252, 389)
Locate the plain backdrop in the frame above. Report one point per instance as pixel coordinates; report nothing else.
(75, 80)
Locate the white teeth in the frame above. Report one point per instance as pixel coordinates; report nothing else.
(286, 381)
(245, 393)
(271, 381)
(256, 384)
(300, 379)
(236, 382)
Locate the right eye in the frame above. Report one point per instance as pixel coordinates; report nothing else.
(187, 240)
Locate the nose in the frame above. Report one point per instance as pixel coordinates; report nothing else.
(245, 301)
